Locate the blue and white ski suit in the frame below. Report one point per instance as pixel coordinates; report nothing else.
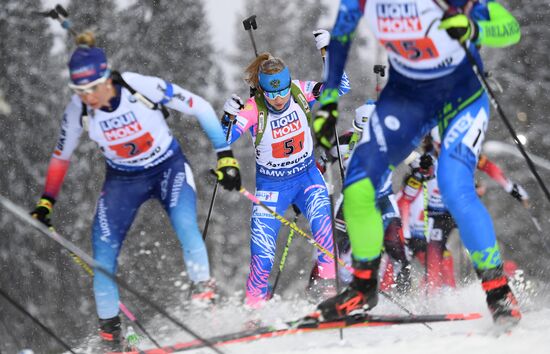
(431, 82)
(143, 161)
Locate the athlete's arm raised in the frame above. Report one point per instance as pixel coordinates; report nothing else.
(350, 12)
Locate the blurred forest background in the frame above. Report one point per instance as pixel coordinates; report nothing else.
(172, 40)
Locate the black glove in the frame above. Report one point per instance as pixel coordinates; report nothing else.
(425, 169)
(426, 162)
(227, 171)
(324, 123)
(43, 210)
(519, 193)
(459, 27)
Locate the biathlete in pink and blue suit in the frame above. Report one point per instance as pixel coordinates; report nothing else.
(278, 118)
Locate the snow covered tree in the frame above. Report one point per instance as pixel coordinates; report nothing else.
(30, 82)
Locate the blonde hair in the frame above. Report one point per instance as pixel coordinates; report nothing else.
(265, 63)
(85, 39)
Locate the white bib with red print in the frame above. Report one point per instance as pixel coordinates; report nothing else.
(132, 135)
(286, 147)
(408, 29)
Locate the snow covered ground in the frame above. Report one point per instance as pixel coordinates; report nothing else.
(531, 336)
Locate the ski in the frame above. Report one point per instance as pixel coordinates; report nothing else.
(308, 324)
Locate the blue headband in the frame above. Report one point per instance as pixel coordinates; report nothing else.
(275, 82)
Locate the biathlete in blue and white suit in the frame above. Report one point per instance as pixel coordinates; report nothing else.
(143, 161)
(431, 82)
(386, 202)
(278, 118)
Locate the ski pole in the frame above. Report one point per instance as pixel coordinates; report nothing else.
(207, 222)
(332, 224)
(250, 25)
(492, 98)
(539, 228)
(284, 221)
(43, 229)
(331, 198)
(205, 230)
(36, 320)
(12, 336)
(61, 15)
(337, 138)
(121, 305)
(426, 234)
(511, 130)
(285, 253)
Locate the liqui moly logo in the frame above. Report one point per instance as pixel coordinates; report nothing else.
(398, 17)
(285, 125)
(120, 127)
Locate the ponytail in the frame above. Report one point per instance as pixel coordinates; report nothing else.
(265, 63)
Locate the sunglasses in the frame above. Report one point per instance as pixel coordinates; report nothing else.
(88, 88)
(274, 94)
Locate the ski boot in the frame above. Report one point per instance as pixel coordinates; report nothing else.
(110, 332)
(501, 301)
(203, 293)
(358, 297)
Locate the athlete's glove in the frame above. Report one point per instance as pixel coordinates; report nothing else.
(519, 193)
(233, 105)
(324, 123)
(322, 38)
(227, 171)
(231, 108)
(425, 169)
(43, 210)
(459, 27)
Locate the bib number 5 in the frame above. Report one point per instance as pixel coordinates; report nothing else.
(288, 147)
(412, 49)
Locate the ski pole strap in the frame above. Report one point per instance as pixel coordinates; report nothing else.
(293, 226)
